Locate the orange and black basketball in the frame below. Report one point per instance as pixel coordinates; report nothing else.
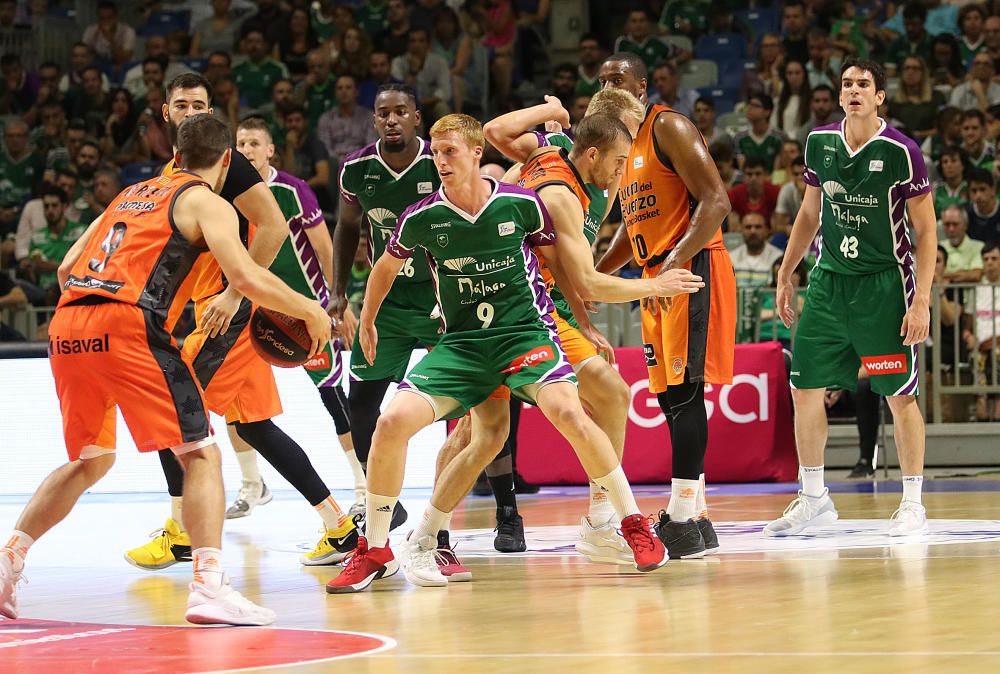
(279, 339)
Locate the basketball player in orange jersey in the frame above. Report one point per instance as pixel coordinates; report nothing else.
(237, 382)
(109, 347)
(673, 205)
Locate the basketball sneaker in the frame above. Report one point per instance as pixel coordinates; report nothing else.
(224, 606)
(910, 519)
(9, 578)
(802, 513)
(418, 557)
(358, 507)
(252, 494)
(510, 531)
(647, 550)
(363, 568)
(603, 544)
(333, 546)
(863, 468)
(169, 546)
(448, 563)
(708, 535)
(682, 539)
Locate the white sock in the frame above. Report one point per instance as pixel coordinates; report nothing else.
(431, 523)
(700, 507)
(333, 517)
(177, 511)
(600, 510)
(378, 517)
(446, 525)
(208, 567)
(812, 480)
(17, 549)
(912, 485)
(360, 482)
(248, 466)
(683, 499)
(619, 492)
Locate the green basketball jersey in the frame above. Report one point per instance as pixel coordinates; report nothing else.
(485, 273)
(297, 262)
(383, 195)
(863, 215)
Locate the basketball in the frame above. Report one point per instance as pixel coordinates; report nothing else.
(279, 339)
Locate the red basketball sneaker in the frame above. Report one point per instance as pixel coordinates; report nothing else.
(364, 567)
(647, 549)
(448, 563)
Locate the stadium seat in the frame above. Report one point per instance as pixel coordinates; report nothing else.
(195, 64)
(731, 73)
(725, 99)
(679, 41)
(721, 46)
(732, 122)
(761, 20)
(139, 171)
(698, 73)
(168, 21)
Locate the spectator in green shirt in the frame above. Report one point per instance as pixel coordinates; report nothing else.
(317, 92)
(371, 16)
(591, 57)
(971, 19)
(760, 140)
(685, 17)
(48, 248)
(639, 40)
(952, 189)
(916, 41)
(256, 76)
(20, 168)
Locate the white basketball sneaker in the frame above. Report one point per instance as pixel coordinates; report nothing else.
(418, 557)
(802, 513)
(910, 519)
(603, 544)
(224, 606)
(8, 587)
(252, 494)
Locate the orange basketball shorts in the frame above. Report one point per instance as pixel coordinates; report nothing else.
(115, 354)
(238, 383)
(578, 348)
(695, 339)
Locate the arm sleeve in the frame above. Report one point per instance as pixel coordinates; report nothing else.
(347, 192)
(542, 232)
(241, 177)
(917, 182)
(809, 176)
(403, 240)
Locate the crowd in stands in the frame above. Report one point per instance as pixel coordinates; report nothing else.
(755, 78)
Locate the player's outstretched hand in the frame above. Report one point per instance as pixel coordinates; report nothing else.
(319, 325)
(220, 311)
(347, 326)
(783, 301)
(600, 342)
(676, 282)
(368, 338)
(916, 323)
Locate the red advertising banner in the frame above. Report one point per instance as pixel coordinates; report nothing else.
(750, 435)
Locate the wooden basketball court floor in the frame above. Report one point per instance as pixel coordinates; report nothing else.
(844, 599)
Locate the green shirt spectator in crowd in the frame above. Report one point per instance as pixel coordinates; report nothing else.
(20, 168)
(760, 140)
(952, 189)
(50, 245)
(639, 40)
(317, 93)
(684, 17)
(371, 16)
(256, 76)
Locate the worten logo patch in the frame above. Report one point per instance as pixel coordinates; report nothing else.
(533, 357)
(320, 362)
(876, 365)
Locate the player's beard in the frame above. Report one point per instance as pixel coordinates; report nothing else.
(395, 146)
(172, 132)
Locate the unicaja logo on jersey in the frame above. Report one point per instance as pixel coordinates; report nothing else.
(894, 364)
(458, 263)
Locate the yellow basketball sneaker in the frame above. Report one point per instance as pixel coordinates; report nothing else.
(169, 546)
(333, 546)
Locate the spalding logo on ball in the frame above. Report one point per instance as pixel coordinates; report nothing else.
(279, 339)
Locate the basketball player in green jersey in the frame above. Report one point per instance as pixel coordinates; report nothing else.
(865, 305)
(479, 236)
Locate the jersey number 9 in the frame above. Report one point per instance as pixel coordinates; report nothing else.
(109, 246)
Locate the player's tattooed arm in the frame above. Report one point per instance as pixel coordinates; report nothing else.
(512, 133)
(678, 138)
(380, 280)
(346, 237)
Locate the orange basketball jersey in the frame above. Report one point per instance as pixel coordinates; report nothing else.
(137, 256)
(553, 167)
(656, 205)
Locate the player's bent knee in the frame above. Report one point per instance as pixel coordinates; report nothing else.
(900, 403)
(96, 461)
